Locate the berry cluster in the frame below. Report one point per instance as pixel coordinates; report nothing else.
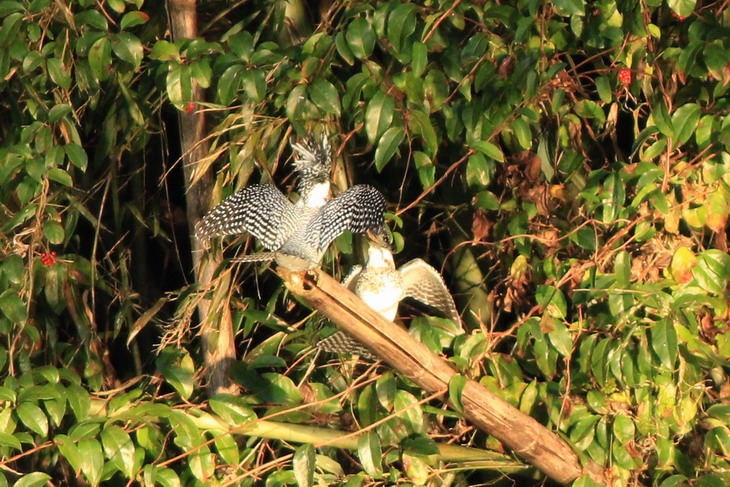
(624, 76)
(48, 259)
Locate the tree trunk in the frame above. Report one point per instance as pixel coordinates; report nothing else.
(217, 336)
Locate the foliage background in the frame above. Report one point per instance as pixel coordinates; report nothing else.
(564, 164)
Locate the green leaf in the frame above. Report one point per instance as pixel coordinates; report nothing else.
(419, 58)
(92, 18)
(229, 83)
(654, 150)
(420, 445)
(603, 86)
(712, 270)
(675, 481)
(387, 146)
(406, 404)
(254, 84)
(100, 58)
(488, 149)
(133, 19)
(622, 269)
(486, 200)
(59, 73)
(360, 37)
(128, 48)
(227, 447)
(343, 49)
(68, 449)
(324, 95)
(119, 448)
(660, 115)
(456, 388)
(35, 479)
(33, 417)
(401, 24)
(53, 231)
(582, 433)
(92, 460)
(385, 390)
(614, 196)
(7, 440)
(426, 169)
(378, 115)
(716, 58)
(232, 409)
(684, 120)
(590, 109)
(623, 429)
(161, 476)
(165, 51)
(60, 176)
(420, 123)
(370, 453)
(561, 339)
(478, 171)
(179, 85)
(58, 112)
(683, 8)
(178, 369)
(303, 465)
(569, 7)
(522, 132)
(13, 307)
(664, 343)
(78, 399)
(77, 155)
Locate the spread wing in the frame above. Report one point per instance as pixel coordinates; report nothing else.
(350, 280)
(341, 342)
(261, 210)
(358, 210)
(424, 283)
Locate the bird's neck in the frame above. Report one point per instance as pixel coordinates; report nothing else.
(317, 195)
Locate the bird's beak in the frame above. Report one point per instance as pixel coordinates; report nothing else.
(381, 237)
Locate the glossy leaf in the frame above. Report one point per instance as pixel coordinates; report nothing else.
(324, 95)
(370, 453)
(360, 37)
(685, 120)
(35, 479)
(303, 465)
(33, 417)
(378, 116)
(387, 146)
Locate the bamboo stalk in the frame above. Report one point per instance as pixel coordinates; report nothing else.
(217, 331)
(518, 431)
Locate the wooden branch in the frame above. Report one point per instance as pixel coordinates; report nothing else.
(217, 330)
(518, 431)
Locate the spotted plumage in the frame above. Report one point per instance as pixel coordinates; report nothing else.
(382, 287)
(297, 234)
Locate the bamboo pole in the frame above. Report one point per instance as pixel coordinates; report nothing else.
(518, 431)
(217, 331)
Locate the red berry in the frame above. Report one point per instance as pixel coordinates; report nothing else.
(48, 259)
(624, 76)
(190, 107)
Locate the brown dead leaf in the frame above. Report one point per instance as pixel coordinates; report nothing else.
(481, 225)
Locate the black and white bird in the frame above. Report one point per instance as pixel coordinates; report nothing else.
(297, 235)
(382, 287)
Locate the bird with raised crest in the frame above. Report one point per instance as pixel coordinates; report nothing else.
(382, 287)
(297, 234)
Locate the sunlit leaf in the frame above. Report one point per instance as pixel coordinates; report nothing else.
(303, 465)
(379, 115)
